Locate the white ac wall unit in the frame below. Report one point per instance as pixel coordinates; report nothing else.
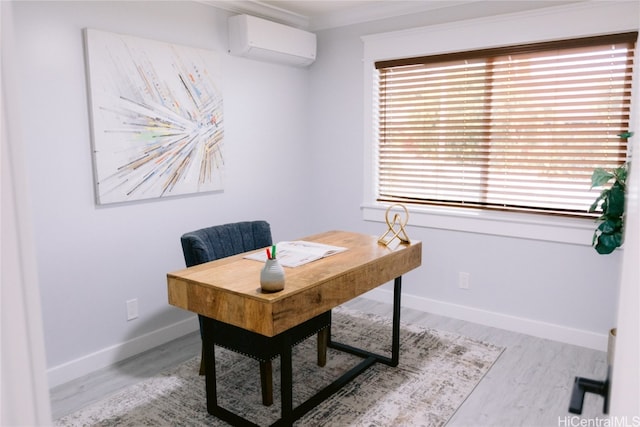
(265, 40)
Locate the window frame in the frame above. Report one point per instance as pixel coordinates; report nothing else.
(547, 24)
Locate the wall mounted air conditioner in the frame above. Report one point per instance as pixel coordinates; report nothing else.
(265, 40)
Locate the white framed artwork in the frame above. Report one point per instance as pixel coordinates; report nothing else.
(157, 118)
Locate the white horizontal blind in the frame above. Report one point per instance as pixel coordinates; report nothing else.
(520, 128)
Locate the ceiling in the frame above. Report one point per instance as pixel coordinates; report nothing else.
(314, 15)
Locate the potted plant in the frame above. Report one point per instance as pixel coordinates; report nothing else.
(609, 233)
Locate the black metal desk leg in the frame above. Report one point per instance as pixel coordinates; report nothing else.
(586, 385)
(395, 338)
(286, 381)
(209, 355)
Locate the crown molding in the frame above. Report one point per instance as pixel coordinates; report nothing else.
(261, 10)
(379, 10)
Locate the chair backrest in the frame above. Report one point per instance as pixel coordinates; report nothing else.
(221, 241)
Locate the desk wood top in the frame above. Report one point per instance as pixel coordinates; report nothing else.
(228, 289)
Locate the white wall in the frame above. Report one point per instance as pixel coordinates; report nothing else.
(554, 286)
(92, 259)
(24, 393)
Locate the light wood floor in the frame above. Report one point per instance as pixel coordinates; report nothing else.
(530, 385)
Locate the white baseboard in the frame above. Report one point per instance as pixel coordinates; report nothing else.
(108, 356)
(521, 325)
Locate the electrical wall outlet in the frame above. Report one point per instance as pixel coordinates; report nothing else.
(132, 309)
(463, 280)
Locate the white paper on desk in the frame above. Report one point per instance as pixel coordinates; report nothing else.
(298, 252)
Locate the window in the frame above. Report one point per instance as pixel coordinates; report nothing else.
(518, 128)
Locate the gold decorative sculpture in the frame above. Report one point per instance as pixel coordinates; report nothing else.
(398, 222)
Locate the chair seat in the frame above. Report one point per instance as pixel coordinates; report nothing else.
(260, 347)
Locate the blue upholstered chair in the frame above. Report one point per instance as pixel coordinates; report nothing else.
(225, 240)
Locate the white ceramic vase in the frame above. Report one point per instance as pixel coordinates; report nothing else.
(272, 276)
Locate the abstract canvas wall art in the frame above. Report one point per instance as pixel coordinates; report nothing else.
(157, 118)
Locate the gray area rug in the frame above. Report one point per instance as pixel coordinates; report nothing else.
(437, 372)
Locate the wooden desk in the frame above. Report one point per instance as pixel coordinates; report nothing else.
(228, 290)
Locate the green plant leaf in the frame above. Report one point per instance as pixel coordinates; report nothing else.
(600, 177)
(609, 226)
(621, 175)
(615, 201)
(604, 249)
(625, 135)
(608, 242)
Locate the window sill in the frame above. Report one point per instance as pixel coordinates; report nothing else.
(576, 231)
